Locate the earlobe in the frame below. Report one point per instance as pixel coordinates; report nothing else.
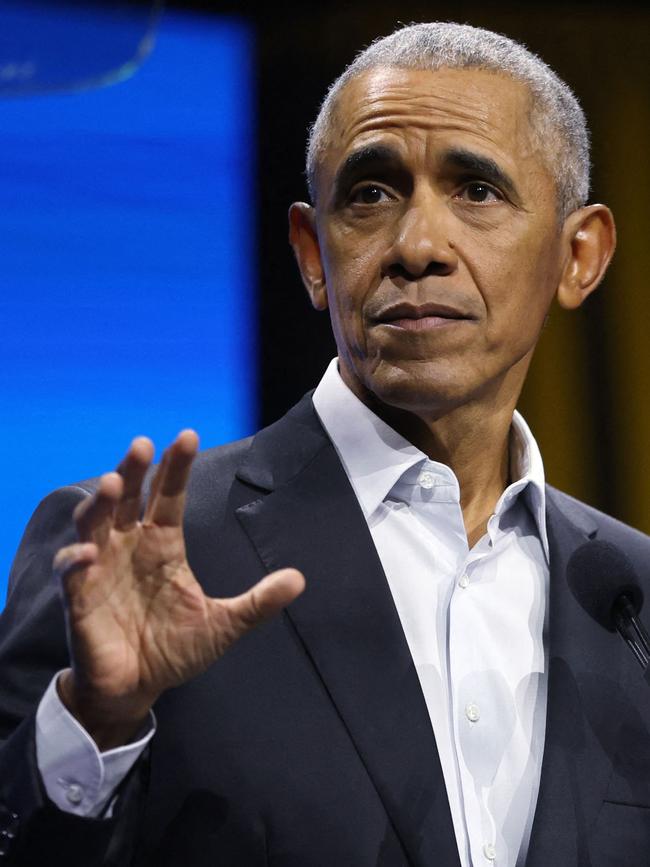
(591, 239)
(303, 238)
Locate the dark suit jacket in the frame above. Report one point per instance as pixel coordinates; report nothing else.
(309, 743)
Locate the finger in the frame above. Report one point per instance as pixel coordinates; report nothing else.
(133, 470)
(155, 484)
(94, 516)
(181, 453)
(158, 481)
(70, 564)
(263, 601)
(167, 500)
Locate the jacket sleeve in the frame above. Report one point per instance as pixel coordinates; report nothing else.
(33, 647)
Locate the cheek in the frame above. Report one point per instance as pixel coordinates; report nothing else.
(349, 258)
(352, 273)
(518, 285)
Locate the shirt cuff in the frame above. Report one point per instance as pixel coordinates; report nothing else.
(77, 777)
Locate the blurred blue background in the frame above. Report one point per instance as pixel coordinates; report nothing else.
(127, 251)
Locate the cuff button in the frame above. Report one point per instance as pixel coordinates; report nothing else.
(74, 794)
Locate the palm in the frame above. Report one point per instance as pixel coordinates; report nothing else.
(145, 620)
(138, 620)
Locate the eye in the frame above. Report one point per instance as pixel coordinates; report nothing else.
(368, 194)
(479, 193)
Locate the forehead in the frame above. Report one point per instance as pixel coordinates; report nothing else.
(468, 107)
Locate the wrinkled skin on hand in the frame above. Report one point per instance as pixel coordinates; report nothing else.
(138, 621)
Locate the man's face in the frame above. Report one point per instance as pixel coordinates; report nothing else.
(438, 237)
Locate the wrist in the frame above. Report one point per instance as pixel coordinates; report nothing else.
(111, 721)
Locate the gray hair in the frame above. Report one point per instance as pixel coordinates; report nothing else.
(557, 119)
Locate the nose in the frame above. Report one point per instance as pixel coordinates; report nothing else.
(422, 245)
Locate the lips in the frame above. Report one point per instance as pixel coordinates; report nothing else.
(419, 317)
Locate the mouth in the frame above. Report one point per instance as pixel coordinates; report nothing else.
(420, 317)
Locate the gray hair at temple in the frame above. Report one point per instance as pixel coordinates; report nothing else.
(557, 119)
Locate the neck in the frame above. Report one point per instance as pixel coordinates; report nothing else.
(472, 439)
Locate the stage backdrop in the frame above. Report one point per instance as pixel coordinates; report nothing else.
(127, 263)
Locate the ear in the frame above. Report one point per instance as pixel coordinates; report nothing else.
(590, 233)
(304, 240)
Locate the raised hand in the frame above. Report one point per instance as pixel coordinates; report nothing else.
(138, 621)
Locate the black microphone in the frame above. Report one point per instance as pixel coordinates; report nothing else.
(604, 583)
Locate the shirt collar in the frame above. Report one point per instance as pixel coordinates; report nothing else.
(527, 473)
(375, 456)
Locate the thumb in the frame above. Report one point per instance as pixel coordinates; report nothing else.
(263, 601)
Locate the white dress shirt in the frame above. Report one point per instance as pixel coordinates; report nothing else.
(77, 777)
(473, 619)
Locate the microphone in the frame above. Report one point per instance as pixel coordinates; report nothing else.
(604, 583)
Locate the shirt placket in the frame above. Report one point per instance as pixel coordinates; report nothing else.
(470, 721)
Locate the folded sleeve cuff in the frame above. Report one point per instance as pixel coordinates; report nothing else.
(76, 776)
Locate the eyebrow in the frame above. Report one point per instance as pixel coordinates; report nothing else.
(371, 157)
(483, 167)
(379, 156)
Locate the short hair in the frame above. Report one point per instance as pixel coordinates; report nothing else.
(556, 118)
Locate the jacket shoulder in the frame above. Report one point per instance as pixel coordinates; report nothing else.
(224, 459)
(604, 523)
(633, 542)
(213, 474)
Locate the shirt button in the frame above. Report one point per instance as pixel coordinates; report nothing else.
(472, 712)
(426, 481)
(490, 852)
(75, 794)
(463, 581)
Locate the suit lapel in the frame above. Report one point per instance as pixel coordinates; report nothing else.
(583, 670)
(348, 624)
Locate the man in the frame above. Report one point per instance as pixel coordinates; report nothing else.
(435, 696)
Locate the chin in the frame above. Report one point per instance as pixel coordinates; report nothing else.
(423, 388)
